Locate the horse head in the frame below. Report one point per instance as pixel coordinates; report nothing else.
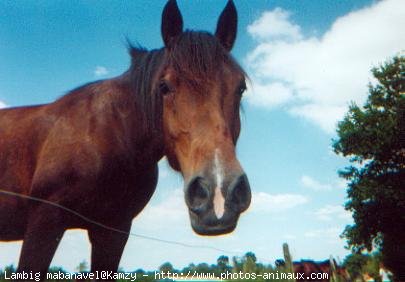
(201, 87)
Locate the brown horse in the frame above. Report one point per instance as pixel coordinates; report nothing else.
(312, 271)
(319, 270)
(95, 150)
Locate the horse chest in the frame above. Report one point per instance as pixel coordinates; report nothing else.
(119, 196)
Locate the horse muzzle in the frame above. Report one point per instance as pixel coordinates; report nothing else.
(215, 210)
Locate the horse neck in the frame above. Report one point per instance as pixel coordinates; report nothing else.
(146, 107)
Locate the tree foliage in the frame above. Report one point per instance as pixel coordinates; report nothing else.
(223, 264)
(166, 267)
(359, 264)
(373, 137)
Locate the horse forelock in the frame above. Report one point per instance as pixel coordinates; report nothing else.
(197, 56)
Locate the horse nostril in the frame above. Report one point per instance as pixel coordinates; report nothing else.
(239, 193)
(197, 195)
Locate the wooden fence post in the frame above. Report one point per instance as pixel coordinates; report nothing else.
(289, 267)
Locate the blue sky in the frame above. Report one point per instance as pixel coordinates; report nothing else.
(306, 59)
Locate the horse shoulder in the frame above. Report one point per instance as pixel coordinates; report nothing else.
(88, 143)
(22, 131)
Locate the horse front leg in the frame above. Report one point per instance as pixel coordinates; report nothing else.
(42, 236)
(107, 247)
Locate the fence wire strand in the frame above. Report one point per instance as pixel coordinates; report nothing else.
(146, 237)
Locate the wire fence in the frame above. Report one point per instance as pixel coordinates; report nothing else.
(99, 224)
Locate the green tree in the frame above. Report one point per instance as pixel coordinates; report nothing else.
(190, 268)
(236, 264)
(9, 269)
(359, 264)
(251, 256)
(203, 268)
(166, 267)
(373, 137)
(249, 263)
(372, 266)
(223, 264)
(354, 263)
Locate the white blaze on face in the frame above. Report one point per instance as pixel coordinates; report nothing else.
(219, 201)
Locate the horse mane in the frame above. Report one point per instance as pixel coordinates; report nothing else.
(140, 77)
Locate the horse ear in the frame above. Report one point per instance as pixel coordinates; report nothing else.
(227, 26)
(172, 22)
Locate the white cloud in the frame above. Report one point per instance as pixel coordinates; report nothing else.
(3, 105)
(164, 173)
(311, 183)
(76, 244)
(281, 27)
(324, 116)
(321, 75)
(332, 212)
(264, 202)
(100, 71)
(167, 213)
(10, 252)
(331, 234)
(258, 95)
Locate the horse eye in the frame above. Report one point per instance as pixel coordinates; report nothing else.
(242, 88)
(164, 88)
